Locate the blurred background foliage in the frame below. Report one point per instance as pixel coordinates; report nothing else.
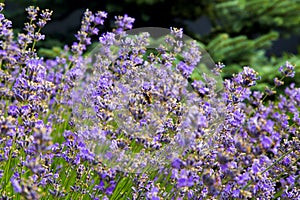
(253, 33)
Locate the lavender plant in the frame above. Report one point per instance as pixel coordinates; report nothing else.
(139, 111)
(57, 115)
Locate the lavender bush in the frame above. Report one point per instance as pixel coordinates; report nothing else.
(58, 115)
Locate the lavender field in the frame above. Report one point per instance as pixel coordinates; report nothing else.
(118, 119)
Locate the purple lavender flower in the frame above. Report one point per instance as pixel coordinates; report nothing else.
(99, 17)
(288, 70)
(185, 69)
(218, 68)
(123, 23)
(278, 82)
(266, 142)
(16, 185)
(200, 87)
(247, 77)
(178, 33)
(32, 12)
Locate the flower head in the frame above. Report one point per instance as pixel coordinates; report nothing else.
(288, 70)
(124, 23)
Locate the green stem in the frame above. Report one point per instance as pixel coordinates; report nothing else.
(118, 189)
(272, 89)
(6, 176)
(34, 41)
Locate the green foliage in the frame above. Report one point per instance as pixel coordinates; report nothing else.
(50, 53)
(242, 32)
(237, 15)
(224, 47)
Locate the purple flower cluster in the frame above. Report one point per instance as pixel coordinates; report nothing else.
(123, 23)
(69, 126)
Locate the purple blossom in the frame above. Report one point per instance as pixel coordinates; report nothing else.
(242, 179)
(200, 87)
(218, 68)
(177, 32)
(278, 82)
(177, 163)
(185, 69)
(288, 70)
(107, 39)
(13, 111)
(266, 141)
(247, 77)
(235, 193)
(16, 185)
(291, 180)
(99, 17)
(32, 12)
(124, 23)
